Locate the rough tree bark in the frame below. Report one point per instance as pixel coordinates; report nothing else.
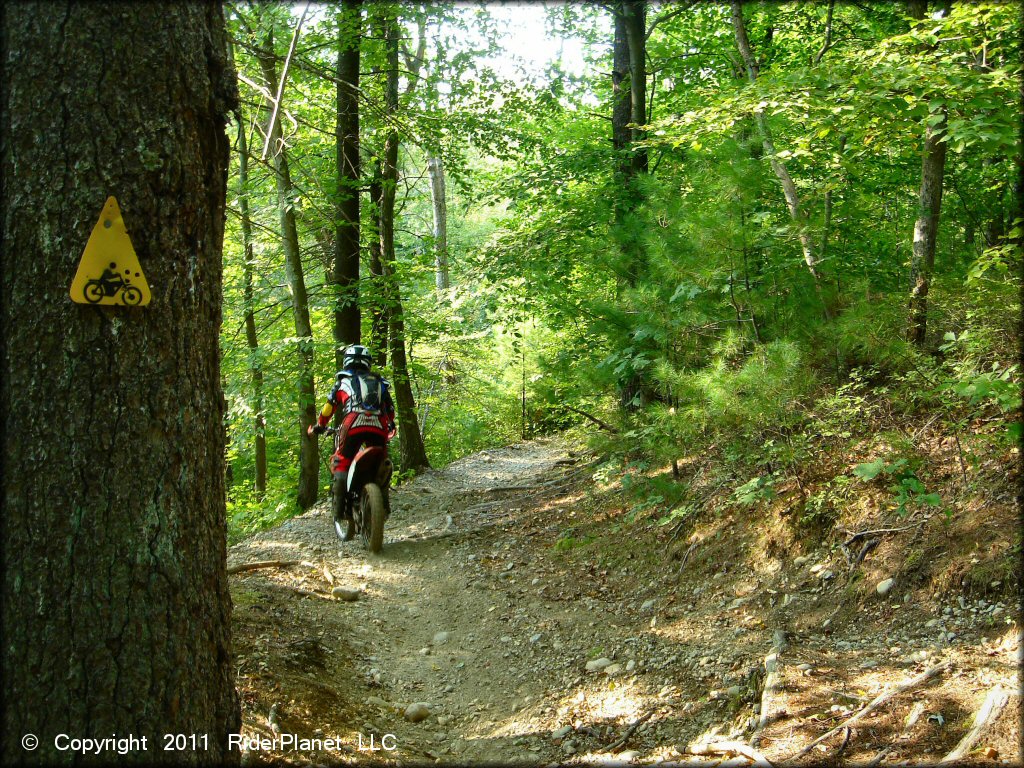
(346, 257)
(413, 452)
(309, 458)
(115, 603)
(251, 339)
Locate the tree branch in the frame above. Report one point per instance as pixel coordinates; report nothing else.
(875, 704)
(828, 32)
(284, 77)
(602, 424)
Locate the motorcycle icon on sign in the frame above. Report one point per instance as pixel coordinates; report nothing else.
(110, 283)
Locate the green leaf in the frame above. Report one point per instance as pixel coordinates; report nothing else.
(870, 470)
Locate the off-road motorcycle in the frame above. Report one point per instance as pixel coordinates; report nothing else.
(365, 488)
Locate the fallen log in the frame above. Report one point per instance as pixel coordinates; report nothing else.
(262, 564)
(729, 747)
(987, 714)
(875, 704)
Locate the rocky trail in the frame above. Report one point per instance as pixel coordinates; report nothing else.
(489, 630)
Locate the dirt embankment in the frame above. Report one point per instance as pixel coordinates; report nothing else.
(514, 618)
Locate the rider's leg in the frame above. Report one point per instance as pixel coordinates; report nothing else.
(339, 467)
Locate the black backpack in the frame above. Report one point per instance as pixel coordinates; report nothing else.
(365, 392)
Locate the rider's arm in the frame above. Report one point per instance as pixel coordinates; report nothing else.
(325, 414)
(336, 398)
(324, 418)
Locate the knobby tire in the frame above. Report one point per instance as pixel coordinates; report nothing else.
(371, 508)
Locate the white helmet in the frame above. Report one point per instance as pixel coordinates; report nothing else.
(357, 356)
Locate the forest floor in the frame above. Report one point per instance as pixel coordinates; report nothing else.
(538, 627)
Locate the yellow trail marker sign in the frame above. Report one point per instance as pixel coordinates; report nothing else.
(109, 272)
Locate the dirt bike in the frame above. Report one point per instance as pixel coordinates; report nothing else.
(98, 288)
(366, 489)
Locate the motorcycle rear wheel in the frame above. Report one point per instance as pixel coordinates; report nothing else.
(131, 296)
(371, 510)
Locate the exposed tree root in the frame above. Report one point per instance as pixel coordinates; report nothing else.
(769, 703)
(621, 742)
(262, 564)
(987, 714)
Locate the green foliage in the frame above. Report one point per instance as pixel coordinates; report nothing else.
(755, 490)
(684, 290)
(568, 542)
(906, 487)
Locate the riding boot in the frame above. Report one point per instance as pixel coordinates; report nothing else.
(344, 509)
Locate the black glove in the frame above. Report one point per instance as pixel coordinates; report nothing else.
(316, 429)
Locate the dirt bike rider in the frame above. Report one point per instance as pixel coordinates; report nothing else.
(369, 414)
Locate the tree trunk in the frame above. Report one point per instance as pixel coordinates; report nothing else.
(435, 168)
(621, 96)
(379, 303)
(413, 453)
(346, 258)
(255, 365)
(796, 213)
(634, 14)
(629, 106)
(309, 456)
(926, 227)
(116, 611)
(929, 204)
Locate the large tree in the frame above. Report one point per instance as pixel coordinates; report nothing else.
(413, 452)
(346, 255)
(115, 596)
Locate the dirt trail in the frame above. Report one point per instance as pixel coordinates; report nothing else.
(449, 614)
(480, 608)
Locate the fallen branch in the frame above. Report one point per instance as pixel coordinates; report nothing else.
(875, 704)
(630, 731)
(850, 696)
(481, 507)
(261, 564)
(686, 555)
(729, 747)
(844, 744)
(877, 759)
(769, 705)
(510, 488)
(879, 531)
(307, 592)
(988, 713)
(602, 424)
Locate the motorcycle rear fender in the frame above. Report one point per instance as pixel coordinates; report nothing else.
(371, 464)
